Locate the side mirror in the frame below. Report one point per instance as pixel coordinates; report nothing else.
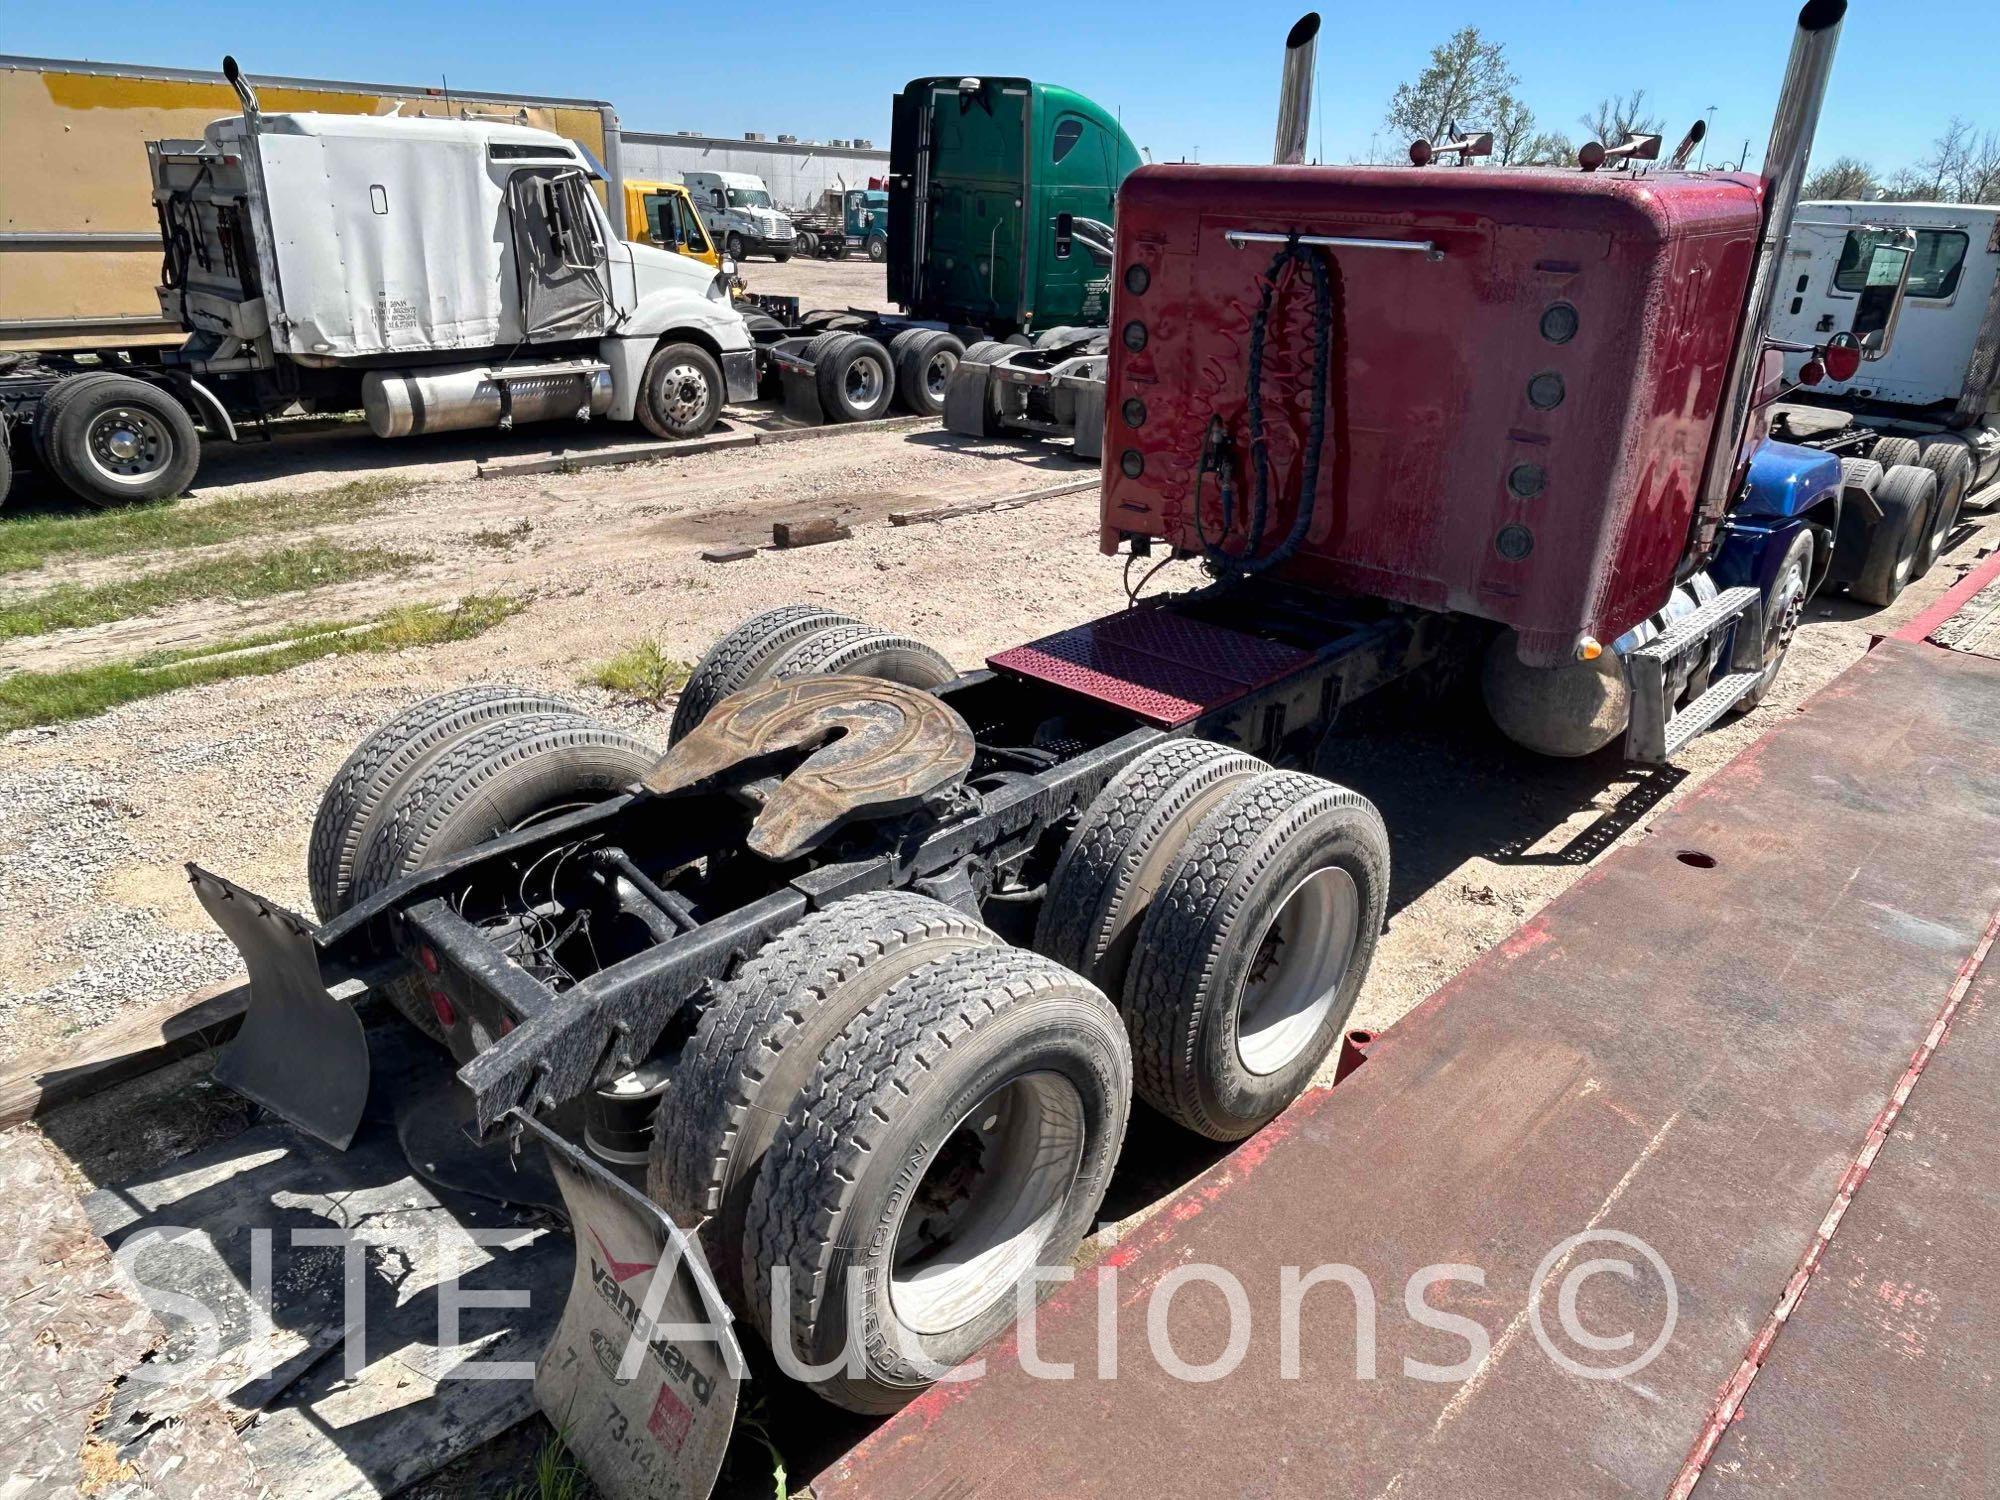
(728, 266)
(1881, 296)
(1065, 235)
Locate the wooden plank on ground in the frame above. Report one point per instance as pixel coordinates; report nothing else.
(150, 1039)
(809, 533)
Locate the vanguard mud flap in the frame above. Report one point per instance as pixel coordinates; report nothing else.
(642, 1375)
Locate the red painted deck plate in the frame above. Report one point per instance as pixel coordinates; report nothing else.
(1166, 668)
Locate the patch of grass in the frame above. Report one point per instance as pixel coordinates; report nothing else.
(236, 575)
(500, 538)
(555, 1475)
(642, 673)
(32, 539)
(29, 698)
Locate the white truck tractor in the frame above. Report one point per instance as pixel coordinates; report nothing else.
(438, 274)
(1925, 389)
(737, 209)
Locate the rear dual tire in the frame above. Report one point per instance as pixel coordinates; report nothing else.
(1232, 911)
(1250, 959)
(795, 639)
(1907, 495)
(758, 1042)
(1953, 466)
(854, 376)
(926, 359)
(445, 776)
(957, 1134)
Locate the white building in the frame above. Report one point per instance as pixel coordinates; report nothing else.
(796, 172)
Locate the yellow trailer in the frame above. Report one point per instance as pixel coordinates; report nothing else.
(79, 238)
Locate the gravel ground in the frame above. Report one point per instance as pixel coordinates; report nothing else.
(96, 817)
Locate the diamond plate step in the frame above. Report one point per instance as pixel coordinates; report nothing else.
(1656, 733)
(1691, 630)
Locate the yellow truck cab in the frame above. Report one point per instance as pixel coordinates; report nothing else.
(661, 213)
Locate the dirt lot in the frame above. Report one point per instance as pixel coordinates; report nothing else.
(97, 816)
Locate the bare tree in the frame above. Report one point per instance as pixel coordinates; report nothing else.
(1513, 126)
(1618, 119)
(1944, 169)
(1908, 185)
(1979, 170)
(1843, 177)
(1963, 167)
(1467, 83)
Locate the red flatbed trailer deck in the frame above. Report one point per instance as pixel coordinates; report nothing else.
(1705, 1043)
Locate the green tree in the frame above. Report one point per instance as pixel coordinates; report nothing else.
(1467, 83)
(1516, 142)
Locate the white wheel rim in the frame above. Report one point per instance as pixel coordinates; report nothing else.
(864, 383)
(1296, 969)
(987, 1202)
(127, 445)
(937, 373)
(684, 395)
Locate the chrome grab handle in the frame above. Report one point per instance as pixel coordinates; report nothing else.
(1242, 237)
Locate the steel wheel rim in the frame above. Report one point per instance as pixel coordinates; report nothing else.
(128, 445)
(937, 373)
(1296, 970)
(1784, 623)
(685, 394)
(987, 1202)
(863, 383)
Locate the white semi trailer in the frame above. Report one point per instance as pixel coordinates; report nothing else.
(439, 274)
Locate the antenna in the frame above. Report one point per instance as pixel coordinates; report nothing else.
(443, 79)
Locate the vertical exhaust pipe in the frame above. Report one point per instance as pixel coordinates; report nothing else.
(1784, 171)
(245, 95)
(1295, 90)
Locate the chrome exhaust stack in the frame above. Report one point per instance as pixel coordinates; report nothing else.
(1295, 90)
(1783, 172)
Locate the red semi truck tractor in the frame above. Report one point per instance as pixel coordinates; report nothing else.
(832, 1017)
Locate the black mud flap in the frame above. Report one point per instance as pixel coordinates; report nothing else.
(968, 402)
(802, 395)
(642, 1375)
(300, 1052)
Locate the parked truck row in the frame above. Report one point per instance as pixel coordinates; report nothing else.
(995, 227)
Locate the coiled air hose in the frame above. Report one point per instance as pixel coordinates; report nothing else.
(1215, 450)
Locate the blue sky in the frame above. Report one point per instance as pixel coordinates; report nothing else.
(1188, 77)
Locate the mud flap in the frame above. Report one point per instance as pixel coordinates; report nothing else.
(641, 1378)
(300, 1052)
(802, 395)
(1090, 419)
(968, 402)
